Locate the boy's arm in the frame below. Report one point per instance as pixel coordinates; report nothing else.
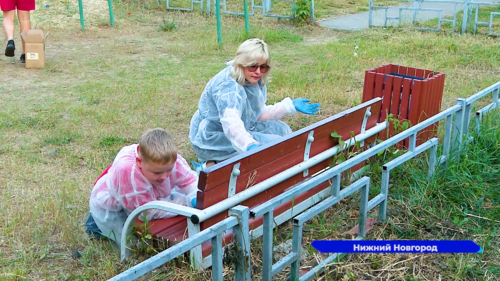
(134, 191)
(185, 179)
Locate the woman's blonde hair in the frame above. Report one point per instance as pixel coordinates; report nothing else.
(249, 52)
(157, 146)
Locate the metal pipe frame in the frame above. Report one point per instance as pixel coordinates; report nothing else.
(389, 166)
(238, 220)
(162, 205)
(298, 223)
(490, 25)
(415, 10)
(465, 20)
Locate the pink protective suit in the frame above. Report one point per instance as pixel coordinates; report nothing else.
(124, 188)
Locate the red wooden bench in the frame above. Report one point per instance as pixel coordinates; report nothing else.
(270, 162)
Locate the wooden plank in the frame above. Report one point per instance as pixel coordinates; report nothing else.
(410, 71)
(413, 107)
(402, 70)
(420, 73)
(379, 85)
(394, 68)
(157, 226)
(396, 103)
(387, 68)
(368, 86)
(405, 103)
(386, 102)
(423, 107)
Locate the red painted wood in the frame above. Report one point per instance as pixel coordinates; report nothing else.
(368, 86)
(415, 89)
(425, 92)
(394, 68)
(387, 68)
(396, 104)
(402, 70)
(405, 103)
(411, 71)
(386, 102)
(420, 73)
(379, 84)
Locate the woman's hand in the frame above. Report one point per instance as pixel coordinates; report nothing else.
(303, 105)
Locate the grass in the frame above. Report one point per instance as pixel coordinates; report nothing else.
(60, 127)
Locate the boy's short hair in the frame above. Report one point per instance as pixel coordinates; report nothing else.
(157, 146)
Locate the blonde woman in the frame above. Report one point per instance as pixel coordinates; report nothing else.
(232, 115)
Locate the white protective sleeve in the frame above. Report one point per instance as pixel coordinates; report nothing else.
(180, 196)
(235, 130)
(278, 110)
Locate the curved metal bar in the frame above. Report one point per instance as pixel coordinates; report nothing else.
(161, 205)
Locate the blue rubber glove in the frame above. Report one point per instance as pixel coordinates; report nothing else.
(193, 202)
(197, 166)
(303, 105)
(252, 146)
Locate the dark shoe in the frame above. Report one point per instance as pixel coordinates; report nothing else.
(23, 58)
(9, 51)
(92, 229)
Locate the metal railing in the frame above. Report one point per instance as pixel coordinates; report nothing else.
(457, 121)
(238, 221)
(464, 6)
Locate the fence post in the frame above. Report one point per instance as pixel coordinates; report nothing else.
(312, 11)
(466, 14)
(242, 235)
(296, 248)
(458, 126)
(219, 28)
(80, 9)
(432, 159)
(267, 239)
(370, 14)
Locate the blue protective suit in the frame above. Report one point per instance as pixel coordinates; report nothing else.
(231, 117)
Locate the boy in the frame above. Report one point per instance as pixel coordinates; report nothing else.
(148, 171)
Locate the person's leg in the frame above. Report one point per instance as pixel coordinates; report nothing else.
(8, 27)
(24, 22)
(8, 23)
(267, 131)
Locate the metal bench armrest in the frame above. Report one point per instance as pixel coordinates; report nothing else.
(161, 205)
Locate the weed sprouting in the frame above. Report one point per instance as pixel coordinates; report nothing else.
(167, 26)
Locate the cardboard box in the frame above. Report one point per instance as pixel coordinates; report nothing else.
(35, 48)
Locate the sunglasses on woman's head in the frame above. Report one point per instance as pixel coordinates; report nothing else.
(263, 68)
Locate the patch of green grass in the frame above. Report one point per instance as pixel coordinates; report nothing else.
(62, 139)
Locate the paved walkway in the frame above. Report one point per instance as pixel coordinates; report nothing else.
(360, 21)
